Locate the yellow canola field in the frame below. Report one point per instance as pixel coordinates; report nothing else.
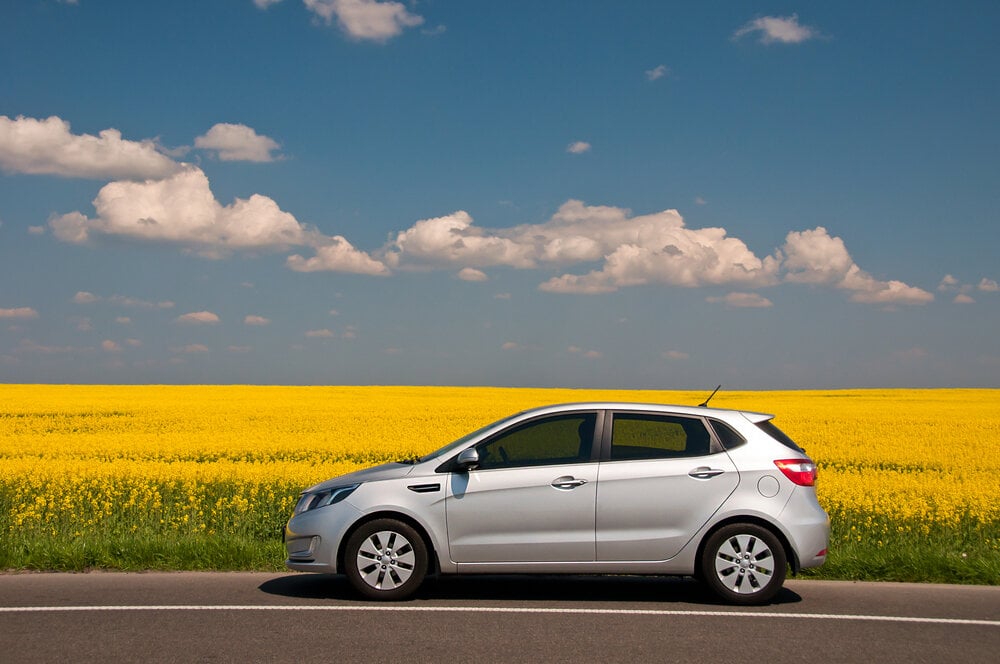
(86, 459)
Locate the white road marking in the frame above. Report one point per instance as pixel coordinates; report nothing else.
(500, 609)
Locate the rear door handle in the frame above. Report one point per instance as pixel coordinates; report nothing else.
(567, 482)
(705, 473)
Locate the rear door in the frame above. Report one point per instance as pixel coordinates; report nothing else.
(661, 479)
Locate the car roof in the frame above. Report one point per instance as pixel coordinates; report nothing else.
(699, 411)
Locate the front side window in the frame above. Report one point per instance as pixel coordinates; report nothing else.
(550, 441)
(648, 436)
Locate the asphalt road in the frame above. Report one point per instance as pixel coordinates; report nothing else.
(244, 617)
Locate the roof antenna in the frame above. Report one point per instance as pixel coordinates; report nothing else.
(704, 403)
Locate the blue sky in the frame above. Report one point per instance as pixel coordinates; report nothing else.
(586, 194)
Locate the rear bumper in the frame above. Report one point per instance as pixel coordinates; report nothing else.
(807, 526)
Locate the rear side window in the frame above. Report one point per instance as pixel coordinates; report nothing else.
(771, 430)
(727, 436)
(641, 436)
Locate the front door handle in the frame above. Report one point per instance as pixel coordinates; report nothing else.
(705, 473)
(567, 482)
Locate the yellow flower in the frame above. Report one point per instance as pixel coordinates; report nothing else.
(232, 459)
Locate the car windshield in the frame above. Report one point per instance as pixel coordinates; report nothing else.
(456, 444)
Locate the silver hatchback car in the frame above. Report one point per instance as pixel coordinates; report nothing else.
(588, 488)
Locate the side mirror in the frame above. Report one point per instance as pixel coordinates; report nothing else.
(467, 460)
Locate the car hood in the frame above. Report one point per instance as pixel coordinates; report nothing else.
(387, 471)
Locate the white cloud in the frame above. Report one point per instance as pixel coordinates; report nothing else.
(256, 320)
(239, 349)
(675, 355)
(199, 318)
(454, 240)
(652, 249)
(19, 313)
(48, 147)
(320, 334)
(36, 230)
(134, 343)
(110, 346)
(589, 354)
(743, 301)
(182, 210)
(578, 147)
(264, 4)
(472, 274)
(191, 349)
(916, 353)
(814, 257)
(948, 282)
(656, 248)
(237, 142)
(869, 290)
(778, 29)
(336, 254)
(29, 346)
(648, 249)
(366, 19)
(513, 346)
(123, 320)
(657, 72)
(83, 297)
(134, 302)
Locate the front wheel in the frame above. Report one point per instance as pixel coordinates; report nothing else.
(385, 559)
(744, 563)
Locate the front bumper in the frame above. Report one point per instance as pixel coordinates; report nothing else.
(312, 539)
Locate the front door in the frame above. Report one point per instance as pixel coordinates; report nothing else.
(532, 497)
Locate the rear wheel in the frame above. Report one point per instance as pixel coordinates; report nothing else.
(744, 563)
(385, 559)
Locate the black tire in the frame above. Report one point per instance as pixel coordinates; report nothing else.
(385, 559)
(744, 564)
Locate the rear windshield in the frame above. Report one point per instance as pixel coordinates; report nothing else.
(779, 435)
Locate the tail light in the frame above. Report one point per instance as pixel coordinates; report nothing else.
(799, 471)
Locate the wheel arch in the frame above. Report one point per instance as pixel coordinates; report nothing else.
(432, 555)
(790, 553)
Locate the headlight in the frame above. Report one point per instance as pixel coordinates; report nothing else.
(311, 501)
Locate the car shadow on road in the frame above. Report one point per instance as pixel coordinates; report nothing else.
(612, 588)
